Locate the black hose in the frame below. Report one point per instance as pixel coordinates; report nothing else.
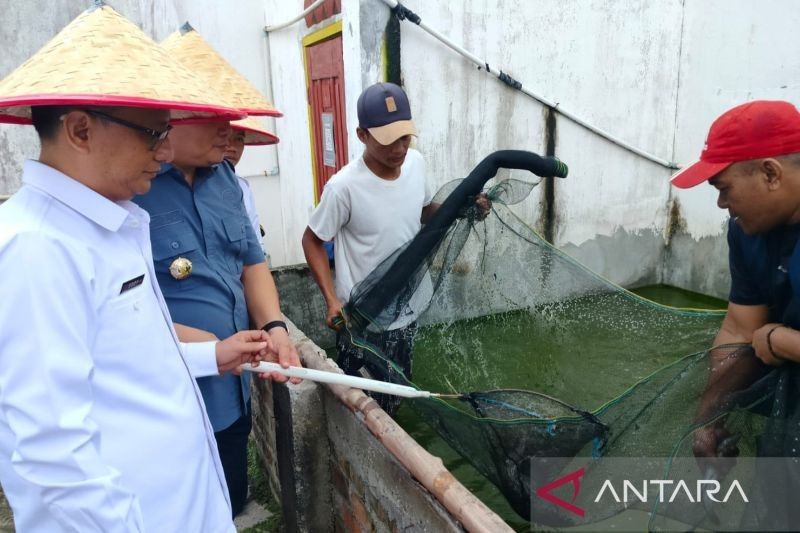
(403, 13)
(381, 293)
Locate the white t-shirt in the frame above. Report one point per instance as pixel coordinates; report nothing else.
(369, 217)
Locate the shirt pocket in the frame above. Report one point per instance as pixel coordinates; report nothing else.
(170, 243)
(127, 301)
(236, 234)
(120, 323)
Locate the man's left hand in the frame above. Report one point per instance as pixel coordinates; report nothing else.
(483, 206)
(283, 353)
(242, 347)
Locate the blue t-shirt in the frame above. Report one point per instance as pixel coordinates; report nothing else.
(765, 270)
(208, 225)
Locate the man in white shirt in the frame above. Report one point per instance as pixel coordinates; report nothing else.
(374, 205)
(102, 427)
(249, 132)
(371, 207)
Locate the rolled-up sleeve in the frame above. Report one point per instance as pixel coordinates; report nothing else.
(46, 388)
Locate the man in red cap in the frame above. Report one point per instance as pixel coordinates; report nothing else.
(752, 157)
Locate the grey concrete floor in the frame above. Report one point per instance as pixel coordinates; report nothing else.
(254, 518)
(6, 520)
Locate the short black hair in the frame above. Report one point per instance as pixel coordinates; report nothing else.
(46, 119)
(792, 159)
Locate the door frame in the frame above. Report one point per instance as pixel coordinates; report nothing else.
(322, 34)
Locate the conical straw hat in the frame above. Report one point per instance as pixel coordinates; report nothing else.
(254, 132)
(103, 59)
(193, 52)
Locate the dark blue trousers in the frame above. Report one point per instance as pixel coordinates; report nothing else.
(232, 446)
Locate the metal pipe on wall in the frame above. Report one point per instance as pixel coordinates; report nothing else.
(404, 13)
(309, 9)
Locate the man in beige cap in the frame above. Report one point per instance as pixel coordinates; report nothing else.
(102, 427)
(389, 178)
(374, 205)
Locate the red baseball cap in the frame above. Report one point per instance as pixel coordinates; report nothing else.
(763, 128)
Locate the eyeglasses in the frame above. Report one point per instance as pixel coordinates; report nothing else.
(158, 137)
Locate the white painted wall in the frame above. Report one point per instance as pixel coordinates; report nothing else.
(612, 63)
(733, 52)
(654, 73)
(362, 67)
(234, 29)
(294, 150)
(23, 32)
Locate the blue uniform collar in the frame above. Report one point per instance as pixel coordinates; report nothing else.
(171, 170)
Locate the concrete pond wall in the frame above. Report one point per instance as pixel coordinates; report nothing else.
(329, 472)
(324, 466)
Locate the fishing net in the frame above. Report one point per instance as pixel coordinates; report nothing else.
(547, 360)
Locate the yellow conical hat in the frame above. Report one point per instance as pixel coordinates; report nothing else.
(254, 132)
(102, 59)
(193, 52)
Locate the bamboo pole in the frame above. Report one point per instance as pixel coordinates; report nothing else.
(428, 469)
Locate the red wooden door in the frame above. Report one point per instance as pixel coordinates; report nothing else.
(328, 8)
(326, 98)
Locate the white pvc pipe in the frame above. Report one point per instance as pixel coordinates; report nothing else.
(427, 469)
(339, 379)
(555, 105)
(288, 23)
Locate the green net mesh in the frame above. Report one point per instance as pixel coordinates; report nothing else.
(545, 358)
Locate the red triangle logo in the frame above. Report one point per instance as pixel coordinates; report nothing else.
(545, 491)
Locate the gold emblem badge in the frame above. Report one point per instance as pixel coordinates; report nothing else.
(180, 268)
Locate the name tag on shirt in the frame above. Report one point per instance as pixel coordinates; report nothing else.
(132, 283)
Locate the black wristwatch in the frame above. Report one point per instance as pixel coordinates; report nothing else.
(275, 324)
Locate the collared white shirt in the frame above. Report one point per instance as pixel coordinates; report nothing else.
(102, 427)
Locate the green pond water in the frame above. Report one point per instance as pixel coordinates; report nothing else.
(676, 297)
(576, 368)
